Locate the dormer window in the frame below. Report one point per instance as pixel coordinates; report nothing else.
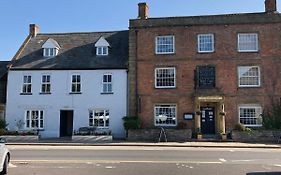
(102, 50)
(50, 52)
(102, 47)
(50, 48)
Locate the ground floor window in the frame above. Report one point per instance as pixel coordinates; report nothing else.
(99, 118)
(165, 115)
(250, 115)
(34, 119)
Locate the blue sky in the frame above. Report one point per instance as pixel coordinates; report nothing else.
(98, 15)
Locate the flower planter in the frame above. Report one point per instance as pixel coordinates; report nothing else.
(152, 135)
(256, 136)
(91, 138)
(20, 138)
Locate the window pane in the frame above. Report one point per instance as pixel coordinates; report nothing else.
(248, 42)
(165, 77)
(165, 44)
(165, 115)
(205, 42)
(249, 76)
(250, 116)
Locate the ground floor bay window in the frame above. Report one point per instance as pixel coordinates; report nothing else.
(165, 115)
(250, 115)
(34, 119)
(99, 118)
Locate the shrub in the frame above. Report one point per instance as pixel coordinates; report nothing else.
(239, 127)
(131, 122)
(3, 124)
(272, 117)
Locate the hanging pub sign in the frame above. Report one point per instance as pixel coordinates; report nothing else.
(188, 116)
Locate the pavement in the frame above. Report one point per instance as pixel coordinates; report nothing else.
(213, 144)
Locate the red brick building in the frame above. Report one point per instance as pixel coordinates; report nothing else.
(206, 72)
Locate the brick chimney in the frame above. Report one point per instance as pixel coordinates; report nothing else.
(143, 10)
(270, 6)
(33, 30)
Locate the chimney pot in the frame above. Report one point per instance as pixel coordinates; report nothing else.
(33, 30)
(270, 6)
(143, 10)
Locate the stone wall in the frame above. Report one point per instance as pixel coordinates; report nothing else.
(256, 136)
(173, 135)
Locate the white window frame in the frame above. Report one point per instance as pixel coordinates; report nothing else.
(47, 83)
(164, 52)
(76, 84)
(104, 50)
(199, 43)
(155, 77)
(29, 121)
(50, 52)
(26, 84)
(258, 111)
(158, 119)
(247, 50)
(92, 118)
(249, 67)
(107, 84)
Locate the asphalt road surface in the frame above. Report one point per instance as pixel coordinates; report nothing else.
(124, 160)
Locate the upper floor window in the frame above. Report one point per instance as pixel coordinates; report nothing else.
(107, 83)
(46, 84)
(249, 76)
(165, 77)
(102, 47)
(250, 115)
(26, 87)
(206, 77)
(76, 83)
(165, 44)
(102, 50)
(248, 42)
(50, 48)
(99, 118)
(34, 119)
(165, 115)
(50, 52)
(205, 43)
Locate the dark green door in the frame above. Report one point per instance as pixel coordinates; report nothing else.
(208, 120)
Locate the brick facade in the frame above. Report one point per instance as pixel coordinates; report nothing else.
(186, 58)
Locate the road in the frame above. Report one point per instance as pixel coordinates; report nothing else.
(124, 160)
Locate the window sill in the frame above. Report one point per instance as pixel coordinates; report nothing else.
(166, 53)
(73, 93)
(205, 52)
(165, 87)
(106, 93)
(242, 87)
(25, 93)
(44, 93)
(248, 51)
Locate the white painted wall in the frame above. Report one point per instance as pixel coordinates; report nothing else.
(61, 99)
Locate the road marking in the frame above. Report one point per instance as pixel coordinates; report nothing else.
(110, 167)
(222, 160)
(113, 161)
(12, 165)
(243, 160)
(277, 165)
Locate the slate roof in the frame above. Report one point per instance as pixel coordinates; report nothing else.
(3, 68)
(77, 52)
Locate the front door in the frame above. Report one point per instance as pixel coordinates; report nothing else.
(208, 120)
(66, 123)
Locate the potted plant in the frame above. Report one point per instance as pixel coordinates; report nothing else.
(223, 135)
(199, 134)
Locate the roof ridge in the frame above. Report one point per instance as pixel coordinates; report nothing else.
(75, 33)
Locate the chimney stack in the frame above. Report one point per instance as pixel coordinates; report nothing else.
(270, 6)
(143, 10)
(33, 30)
